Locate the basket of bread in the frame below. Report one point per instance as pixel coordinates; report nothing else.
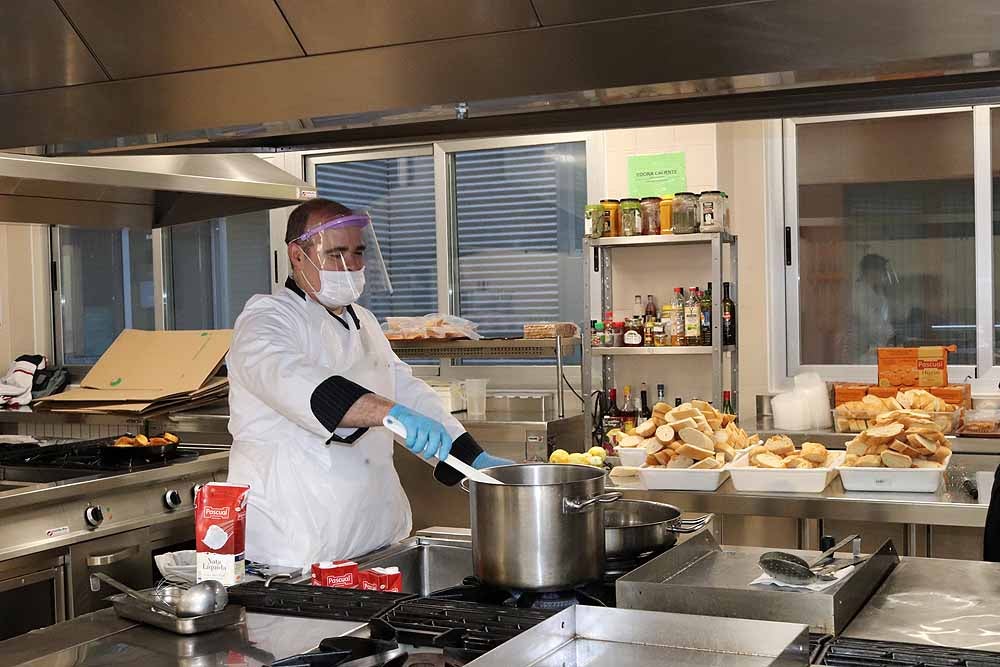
(778, 465)
(904, 451)
(856, 416)
(685, 448)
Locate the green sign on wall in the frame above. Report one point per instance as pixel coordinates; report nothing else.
(656, 175)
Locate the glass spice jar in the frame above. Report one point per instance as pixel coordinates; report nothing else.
(684, 213)
(650, 215)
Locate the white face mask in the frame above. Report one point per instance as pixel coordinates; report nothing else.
(338, 288)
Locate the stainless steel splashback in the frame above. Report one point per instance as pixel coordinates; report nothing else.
(295, 72)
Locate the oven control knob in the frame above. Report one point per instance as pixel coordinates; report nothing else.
(172, 499)
(93, 516)
(194, 491)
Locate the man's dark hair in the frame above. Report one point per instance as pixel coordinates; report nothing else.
(873, 262)
(298, 220)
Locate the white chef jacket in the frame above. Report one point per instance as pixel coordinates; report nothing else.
(310, 501)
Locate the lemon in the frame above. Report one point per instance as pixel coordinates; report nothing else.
(578, 458)
(559, 456)
(598, 452)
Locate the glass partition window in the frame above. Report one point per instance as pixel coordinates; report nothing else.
(886, 237)
(398, 192)
(518, 235)
(105, 286)
(214, 267)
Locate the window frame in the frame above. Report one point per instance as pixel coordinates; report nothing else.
(446, 226)
(782, 182)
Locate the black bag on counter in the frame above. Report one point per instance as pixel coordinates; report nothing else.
(49, 381)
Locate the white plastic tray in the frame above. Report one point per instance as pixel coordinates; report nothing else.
(683, 479)
(814, 480)
(632, 456)
(900, 480)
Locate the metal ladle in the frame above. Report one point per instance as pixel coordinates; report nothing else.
(204, 598)
(791, 569)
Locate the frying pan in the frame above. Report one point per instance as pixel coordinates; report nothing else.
(633, 527)
(132, 453)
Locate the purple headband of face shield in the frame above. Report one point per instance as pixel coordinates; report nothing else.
(355, 220)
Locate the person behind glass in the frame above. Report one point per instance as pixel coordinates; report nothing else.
(869, 327)
(311, 378)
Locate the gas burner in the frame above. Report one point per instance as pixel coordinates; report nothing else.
(594, 595)
(314, 601)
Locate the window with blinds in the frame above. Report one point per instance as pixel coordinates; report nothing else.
(399, 195)
(215, 266)
(519, 230)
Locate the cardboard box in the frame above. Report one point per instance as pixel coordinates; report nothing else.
(913, 366)
(954, 394)
(844, 392)
(145, 370)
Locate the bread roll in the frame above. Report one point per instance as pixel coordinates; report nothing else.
(814, 452)
(851, 460)
(769, 460)
(721, 458)
(869, 461)
(779, 447)
(697, 438)
(632, 441)
(681, 462)
(924, 463)
(922, 442)
(707, 464)
(893, 459)
(652, 445)
(646, 429)
(681, 424)
(663, 457)
(941, 454)
(696, 453)
(857, 447)
(726, 450)
(794, 461)
(624, 471)
(665, 434)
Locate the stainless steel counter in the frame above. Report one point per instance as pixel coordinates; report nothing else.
(101, 638)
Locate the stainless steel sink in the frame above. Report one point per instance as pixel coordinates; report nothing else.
(427, 564)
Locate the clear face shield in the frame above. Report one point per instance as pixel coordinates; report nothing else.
(346, 261)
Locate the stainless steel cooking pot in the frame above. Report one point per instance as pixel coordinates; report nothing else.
(541, 529)
(634, 527)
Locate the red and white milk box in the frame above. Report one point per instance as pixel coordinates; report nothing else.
(382, 579)
(336, 574)
(220, 526)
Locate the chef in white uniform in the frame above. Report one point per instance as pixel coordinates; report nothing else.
(311, 378)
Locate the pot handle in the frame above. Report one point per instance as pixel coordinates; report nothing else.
(690, 525)
(575, 505)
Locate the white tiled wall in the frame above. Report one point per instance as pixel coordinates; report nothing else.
(697, 142)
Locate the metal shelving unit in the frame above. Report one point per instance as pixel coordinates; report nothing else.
(723, 358)
(557, 348)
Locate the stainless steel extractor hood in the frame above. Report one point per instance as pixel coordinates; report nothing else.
(186, 75)
(141, 191)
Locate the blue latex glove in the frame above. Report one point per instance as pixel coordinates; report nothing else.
(424, 436)
(484, 460)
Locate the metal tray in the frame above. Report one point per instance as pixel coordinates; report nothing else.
(583, 635)
(134, 610)
(699, 577)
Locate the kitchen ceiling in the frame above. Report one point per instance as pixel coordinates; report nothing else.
(82, 76)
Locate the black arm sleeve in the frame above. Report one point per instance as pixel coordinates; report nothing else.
(465, 449)
(330, 401)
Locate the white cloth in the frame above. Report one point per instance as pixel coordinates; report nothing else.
(15, 386)
(869, 327)
(767, 580)
(309, 501)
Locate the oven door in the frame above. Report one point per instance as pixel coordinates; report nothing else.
(125, 557)
(32, 593)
